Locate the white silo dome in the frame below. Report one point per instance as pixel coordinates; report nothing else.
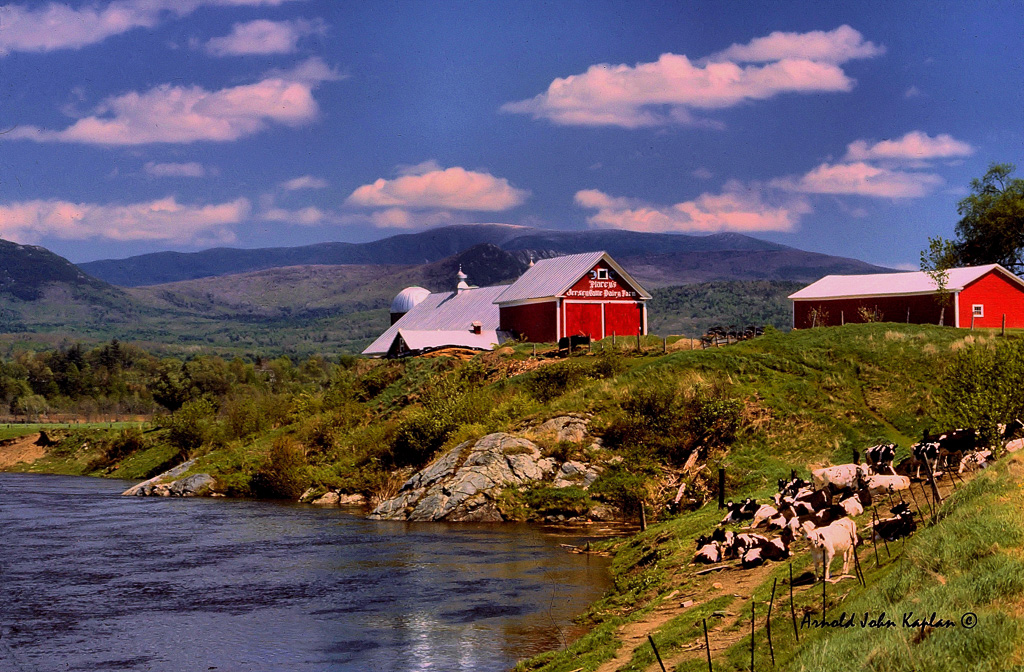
(407, 298)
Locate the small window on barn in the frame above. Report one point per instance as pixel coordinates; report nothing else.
(978, 310)
(602, 274)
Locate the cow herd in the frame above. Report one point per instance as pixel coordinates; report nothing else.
(822, 510)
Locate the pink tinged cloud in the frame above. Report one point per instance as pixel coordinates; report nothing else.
(736, 210)
(161, 220)
(50, 27)
(177, 114)
(837, 46)
(191, 169)
(453, 188)
(262, 37)
(862, 179)
(304, 182)
(914, 146)
(667, 90)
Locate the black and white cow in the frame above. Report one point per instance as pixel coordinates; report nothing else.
(900, 525)
(737, 511)
(763, 549)
(880, 458)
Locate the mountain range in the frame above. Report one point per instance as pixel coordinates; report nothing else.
(669, 259)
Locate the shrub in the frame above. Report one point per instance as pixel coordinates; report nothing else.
(127, 442)
(548, 501)
(624, 486)
(376, 380)
(979, 387)
(190, 426)
(284, 476)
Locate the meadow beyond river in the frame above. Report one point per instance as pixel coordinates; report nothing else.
(90, 580)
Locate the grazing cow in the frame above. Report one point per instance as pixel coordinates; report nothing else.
(880, 485)
(737, 511)
(927, 452)
(880, 458)
(976, 460)
(709, 553)
(900, 525)
(839, 477)
(827, 542)
(852, 506)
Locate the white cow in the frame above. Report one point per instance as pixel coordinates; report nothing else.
(880, 484)
(827, 542)
(852, 506)
(842, 476)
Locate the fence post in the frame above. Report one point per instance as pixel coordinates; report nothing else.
(1003, 332)
(638, 348)
(664, 345)
(972, 322)
(721, 487)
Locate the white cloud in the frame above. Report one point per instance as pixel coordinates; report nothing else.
(304, 182)
(42, 28)
(838, 46)
(185, 114)
(862, 179)
(308, 216)
(735, 209)
(263, 37)
(452, 188)
(190, 169)
(914, 146)
(912, 92)
(163, 219)
(668, 90)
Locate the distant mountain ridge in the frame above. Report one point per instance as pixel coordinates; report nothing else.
(436, 244)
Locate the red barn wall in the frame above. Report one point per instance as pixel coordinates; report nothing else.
(583, 319)
(923, 309)
(998, 296)
(622, 318)
(533, 321)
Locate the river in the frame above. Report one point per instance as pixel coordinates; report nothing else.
(90, 580)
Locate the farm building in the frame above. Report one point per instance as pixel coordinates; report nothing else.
(576, 295)
(979, 296)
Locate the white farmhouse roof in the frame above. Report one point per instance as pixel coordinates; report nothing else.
(425, 340)
(894, 284)
(553, 277)
(445, 312)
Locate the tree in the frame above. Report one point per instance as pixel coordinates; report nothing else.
(936, 261)
(991, 228)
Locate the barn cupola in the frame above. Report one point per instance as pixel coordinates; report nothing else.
(462, 284)
(406, 300)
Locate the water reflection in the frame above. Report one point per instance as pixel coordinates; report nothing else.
(90, 580)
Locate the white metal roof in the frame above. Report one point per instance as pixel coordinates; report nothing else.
(552, 277)
(445, 311)
(422, 340)
(894, 284)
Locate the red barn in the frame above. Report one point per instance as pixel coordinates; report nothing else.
(979, 296)
(580, 294)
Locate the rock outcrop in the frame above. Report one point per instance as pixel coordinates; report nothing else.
(464, 483)
(168, 484)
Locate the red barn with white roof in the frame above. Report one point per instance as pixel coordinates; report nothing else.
(585, 294)
(979, 296)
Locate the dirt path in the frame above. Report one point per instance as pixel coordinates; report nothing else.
(737, 582)
(21, 449)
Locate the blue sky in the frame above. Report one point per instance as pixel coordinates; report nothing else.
(852, 129)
